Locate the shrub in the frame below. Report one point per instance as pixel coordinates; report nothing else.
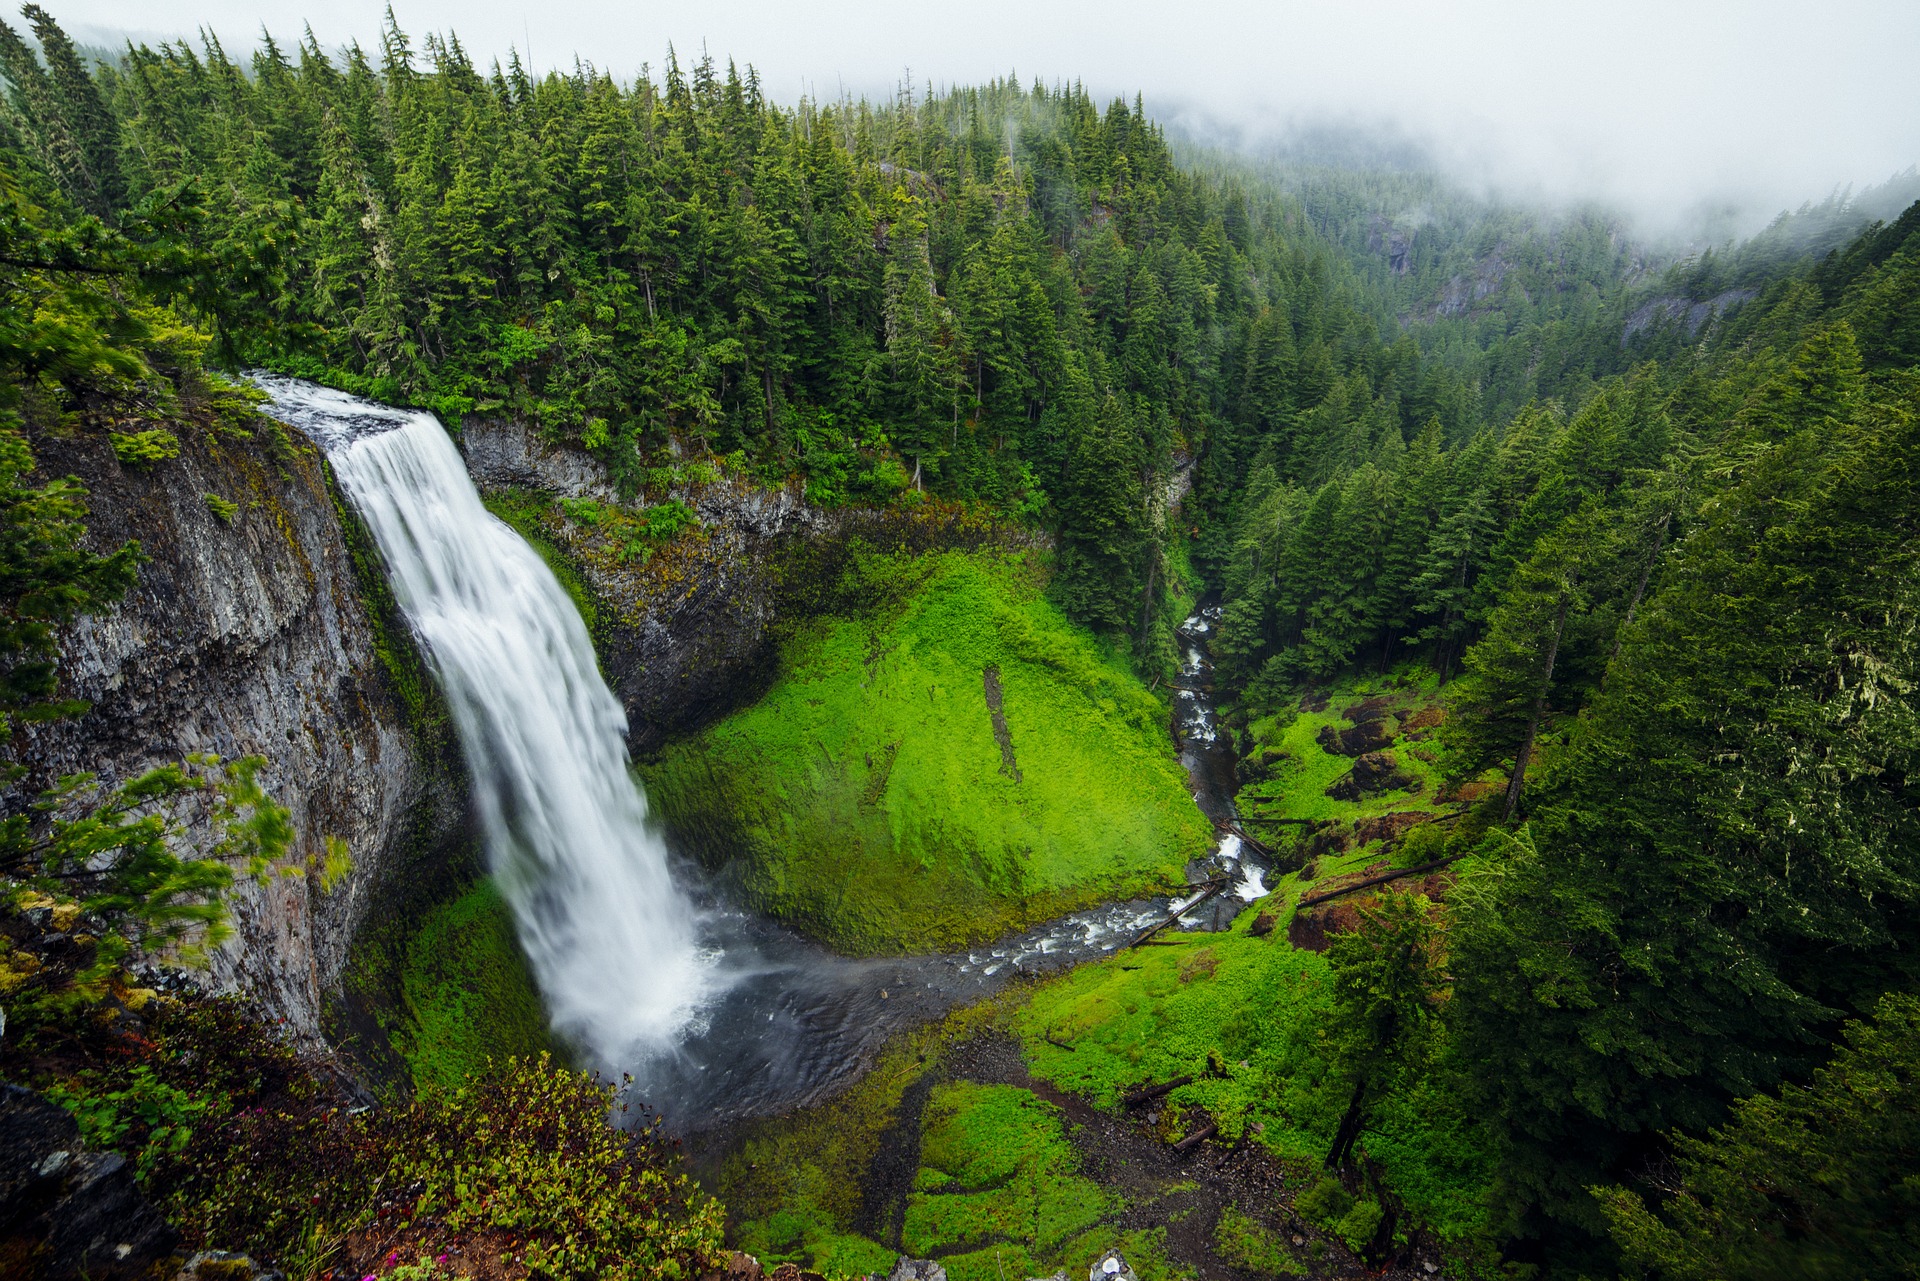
(142, 448)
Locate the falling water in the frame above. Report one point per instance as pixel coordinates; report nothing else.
(613, 942)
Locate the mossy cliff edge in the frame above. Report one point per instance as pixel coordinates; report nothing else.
(248, 631)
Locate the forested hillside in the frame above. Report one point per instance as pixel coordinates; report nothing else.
(1007, 294)
(1640, 533)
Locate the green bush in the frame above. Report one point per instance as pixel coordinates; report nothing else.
(223, 510)
(143, 448)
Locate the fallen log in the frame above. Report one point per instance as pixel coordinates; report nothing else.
(1213, 888)
(1317, 899)
(1198, 1137)
(1152, 1092)
(1260, 847)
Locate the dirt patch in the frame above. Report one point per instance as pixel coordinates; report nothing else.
(1313, 929)
(889, 1178)
(1424, 719)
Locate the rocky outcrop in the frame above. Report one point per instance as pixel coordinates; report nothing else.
(689, 633)
(65, 1211)
(1374, 772)
(1689, 314)
(686, 633)
(247, 635)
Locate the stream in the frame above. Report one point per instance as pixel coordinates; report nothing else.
(717, 1013)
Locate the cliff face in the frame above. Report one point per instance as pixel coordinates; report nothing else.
(689, 633)
(239, 638)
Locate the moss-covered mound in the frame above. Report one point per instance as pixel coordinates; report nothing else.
(938, 769)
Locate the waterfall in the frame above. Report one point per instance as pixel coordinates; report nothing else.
(614, 944)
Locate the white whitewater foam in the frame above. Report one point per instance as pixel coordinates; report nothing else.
(613, 942)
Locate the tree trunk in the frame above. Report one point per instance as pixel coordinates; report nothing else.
(1349, 1132)
(1639, 592)
(1519, 778)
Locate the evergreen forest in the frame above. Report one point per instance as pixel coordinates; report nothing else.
(1624, 538)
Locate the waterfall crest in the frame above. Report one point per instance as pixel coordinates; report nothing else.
(613, 941)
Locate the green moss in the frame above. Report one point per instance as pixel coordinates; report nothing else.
(1252, 1247)
(794, 1183)
(999, 1186)
(468, 991)
(999, 1192)
(871, 799)
(1243, 1014)
(1248, 1016)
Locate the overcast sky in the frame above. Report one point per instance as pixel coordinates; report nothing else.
(1660, 106)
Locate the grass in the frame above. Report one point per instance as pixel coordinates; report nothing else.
(1000, 1192)
(870, 801)
(1243, 1014)
(1253, 1247)
(1248, 1016)
(468, 992)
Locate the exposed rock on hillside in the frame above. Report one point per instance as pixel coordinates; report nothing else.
(1690, 314)
(246, 636)
(1376, 771)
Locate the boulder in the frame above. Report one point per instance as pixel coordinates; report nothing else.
(905, 1269)
(739, 1267)
(219, 1265)
(70, 1212)
(1368, 736)
(1370, 709)
(1111, 1266)
(1374, 772)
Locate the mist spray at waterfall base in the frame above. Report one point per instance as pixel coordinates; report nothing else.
(716, 1013)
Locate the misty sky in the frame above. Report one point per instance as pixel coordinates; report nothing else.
(1660, 106)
